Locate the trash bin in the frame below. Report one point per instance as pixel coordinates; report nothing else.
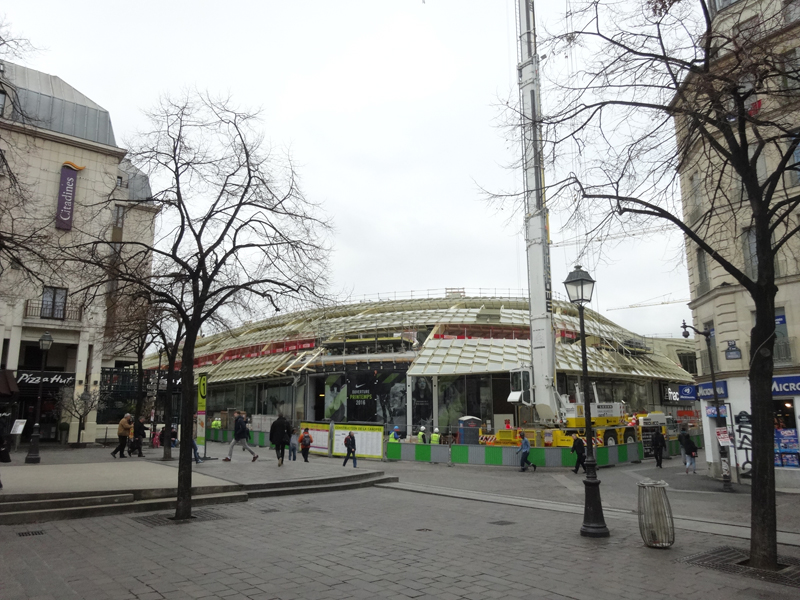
(655, 514)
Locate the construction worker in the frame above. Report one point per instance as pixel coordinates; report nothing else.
(421, 437)
(216, 423)
(435, 436)
(394, 436)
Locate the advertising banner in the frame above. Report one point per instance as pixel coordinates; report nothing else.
(723, 436)
(711, 411)
(786, 448)
(319, 432)
(202, 390)
(66, 195)
(369, 440)
(687, 392)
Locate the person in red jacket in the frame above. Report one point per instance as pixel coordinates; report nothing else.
(305, 443)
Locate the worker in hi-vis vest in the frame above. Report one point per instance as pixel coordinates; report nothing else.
(435, 436)
(421, 437)
(394, 436)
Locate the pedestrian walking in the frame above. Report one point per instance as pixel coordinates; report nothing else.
(579, 448)
(293, 441)
(280, 434)
(240, 434)
(197, 458)
(305, 444)
(691, 455)
(139, 433)
(350, 444)
(525, 448)
(123, 431)
(659, 445)
(435, 436)
(682, 437)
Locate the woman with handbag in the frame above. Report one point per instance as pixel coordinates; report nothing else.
(691, 455)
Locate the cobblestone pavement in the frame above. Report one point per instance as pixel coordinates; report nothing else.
(372, 543)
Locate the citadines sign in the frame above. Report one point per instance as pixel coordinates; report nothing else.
(66, 195)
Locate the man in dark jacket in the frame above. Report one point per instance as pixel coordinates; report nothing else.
(240, 435)
(279, 435)
(350, 444)
(579, 448)
(659, 444)
(139, 433)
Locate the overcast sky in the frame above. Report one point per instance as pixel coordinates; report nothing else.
(388, 107)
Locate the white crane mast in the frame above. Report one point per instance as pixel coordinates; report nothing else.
(540, 290)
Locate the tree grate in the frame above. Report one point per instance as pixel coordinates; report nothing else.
(198, 516)
(501, 523)
(30, 533)
(728, 560)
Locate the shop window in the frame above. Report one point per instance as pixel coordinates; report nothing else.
(786, 440)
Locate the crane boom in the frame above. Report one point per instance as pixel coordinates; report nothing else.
(536, 223)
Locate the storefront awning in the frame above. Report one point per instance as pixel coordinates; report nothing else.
(8, 383)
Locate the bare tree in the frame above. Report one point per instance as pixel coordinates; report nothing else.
(645, 92)
(22, 236)
(78, 406)
(236, 234)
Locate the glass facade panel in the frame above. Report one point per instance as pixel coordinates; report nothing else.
(421, 402)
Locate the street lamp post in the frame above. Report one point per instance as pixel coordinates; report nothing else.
(720, 421)
(580, 286)
(45, 342)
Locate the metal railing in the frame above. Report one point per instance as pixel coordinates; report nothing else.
(59, 311)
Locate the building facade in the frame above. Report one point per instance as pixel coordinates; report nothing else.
(64, 182)
(715, 202)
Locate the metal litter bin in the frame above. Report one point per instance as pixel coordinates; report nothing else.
(655, 514)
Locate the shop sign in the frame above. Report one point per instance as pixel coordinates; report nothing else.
(66, 195)
(705, 391)
(780, 319)
(788, 385)
(28, 378)
(687, 392)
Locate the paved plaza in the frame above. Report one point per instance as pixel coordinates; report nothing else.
(380, 542)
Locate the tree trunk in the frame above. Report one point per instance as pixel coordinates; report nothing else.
(168, 406)
(184, 506)
(139, 385)
(763, 521)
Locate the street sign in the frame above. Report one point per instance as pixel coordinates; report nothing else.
(723, 437)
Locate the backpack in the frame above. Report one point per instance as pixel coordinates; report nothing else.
(306, 440)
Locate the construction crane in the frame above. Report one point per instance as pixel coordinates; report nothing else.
(646, 304)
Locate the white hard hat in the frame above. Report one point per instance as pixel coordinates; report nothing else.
(422, 429)
(435, 430)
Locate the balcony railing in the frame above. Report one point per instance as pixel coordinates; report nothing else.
(59, 311)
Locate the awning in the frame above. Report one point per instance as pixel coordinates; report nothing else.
(8, 383)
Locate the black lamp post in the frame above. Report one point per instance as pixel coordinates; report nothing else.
(45, 342)
(580, 286)
(721, 422)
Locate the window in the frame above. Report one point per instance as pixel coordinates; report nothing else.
(119, 181)
(790, 64)
(54, 303)
(119, 216)
(688, 362)
(793, 167)
(750, 254)
(695, 202)
(761, 170)
(703, 283)
(2, 102)
(749, 29)
(791, 10)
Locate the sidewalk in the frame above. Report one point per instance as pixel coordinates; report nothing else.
(93, 469)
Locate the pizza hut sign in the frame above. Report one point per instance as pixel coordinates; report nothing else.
(48, 378)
